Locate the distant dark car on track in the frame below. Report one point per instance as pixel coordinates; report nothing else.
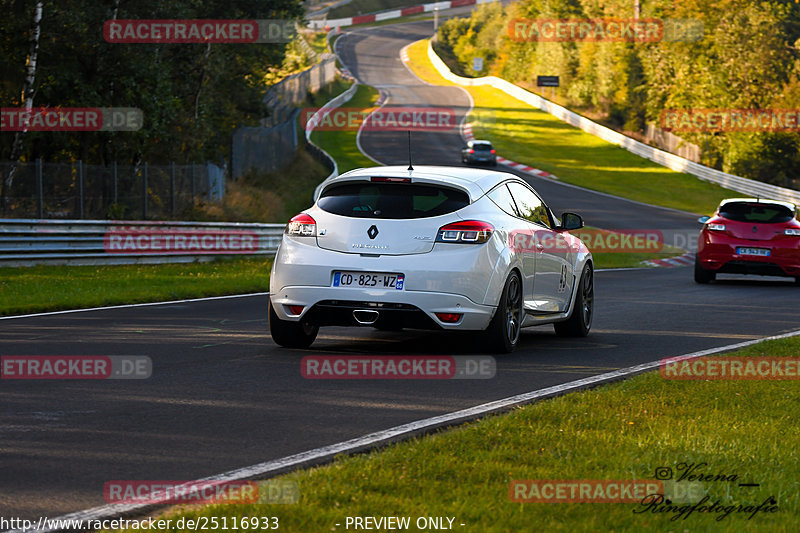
(479, 152)
(749, 236)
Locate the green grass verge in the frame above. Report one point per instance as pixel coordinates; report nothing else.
(341, 144)
(52, 288)
(527, 135)
(621, 431)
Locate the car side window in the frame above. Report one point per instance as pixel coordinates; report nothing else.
(502, 197)
(530, 206)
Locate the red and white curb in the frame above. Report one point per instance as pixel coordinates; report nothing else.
(466, 133)
(319, 24)
(678, 261)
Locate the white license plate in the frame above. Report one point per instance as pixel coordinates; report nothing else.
(375, 280)
(753, 251)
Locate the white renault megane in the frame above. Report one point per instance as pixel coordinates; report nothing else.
(445, 248)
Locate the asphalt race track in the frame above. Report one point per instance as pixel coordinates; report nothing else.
(223, 396)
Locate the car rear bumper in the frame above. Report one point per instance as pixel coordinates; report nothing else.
(333, 306)
(453, 278)
(718, 254)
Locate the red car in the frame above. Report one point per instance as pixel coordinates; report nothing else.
(749, 236)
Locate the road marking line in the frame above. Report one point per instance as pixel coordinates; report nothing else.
(124, 306)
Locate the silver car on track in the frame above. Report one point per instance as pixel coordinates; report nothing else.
(444, 248)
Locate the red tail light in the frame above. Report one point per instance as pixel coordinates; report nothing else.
(471, 151)
(465, 232)
(492, 150)
(302, 225)
(295, 309)
(449, 318)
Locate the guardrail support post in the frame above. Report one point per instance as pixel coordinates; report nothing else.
(172, 188)
(115, 182)
(39, 192)
(80, 188)
(144, 192)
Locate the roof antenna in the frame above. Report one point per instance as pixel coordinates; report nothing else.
(410, 167)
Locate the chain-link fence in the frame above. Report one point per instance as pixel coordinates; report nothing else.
(282, 97)
(76, 190)
(263, 149)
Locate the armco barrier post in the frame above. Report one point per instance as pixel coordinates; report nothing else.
(115, 182)
(80, 189)
(172, 188)
(39, 189)
(144, 192)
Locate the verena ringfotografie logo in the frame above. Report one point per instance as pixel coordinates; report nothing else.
(582, 490)
(384, 119)
(398, 367)
(643, 30)
(75, 367)
(71, 119)
(171, 242)
(598, 241)
(180, 492)
(730, 368)
(198, 31)
(730, 120)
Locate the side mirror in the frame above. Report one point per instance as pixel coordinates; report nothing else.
(570, 221)
(703, 220)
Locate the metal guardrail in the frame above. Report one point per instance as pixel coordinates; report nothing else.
(671, 161)
(26, 242)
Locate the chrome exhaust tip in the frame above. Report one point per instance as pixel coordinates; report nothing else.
(365, 317)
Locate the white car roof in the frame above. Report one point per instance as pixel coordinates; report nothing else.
(787, 205)
(475, 181)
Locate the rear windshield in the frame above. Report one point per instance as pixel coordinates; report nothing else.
(391, 200)
(485, 147)
(756, 212)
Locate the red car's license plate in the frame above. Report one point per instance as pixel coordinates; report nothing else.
(753, 251)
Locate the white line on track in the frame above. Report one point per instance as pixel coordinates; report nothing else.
(371, 441)
(125, 306)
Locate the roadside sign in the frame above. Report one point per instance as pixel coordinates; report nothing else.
(477, 64)
(547, 81)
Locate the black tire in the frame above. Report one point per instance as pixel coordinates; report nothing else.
(580, 319)
(701, 275)
(502, 335)
(290, 334)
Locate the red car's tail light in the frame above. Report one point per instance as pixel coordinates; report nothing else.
(448, 318)
(794, 232)
(302, 225)
(465, 232)
(716, 227)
